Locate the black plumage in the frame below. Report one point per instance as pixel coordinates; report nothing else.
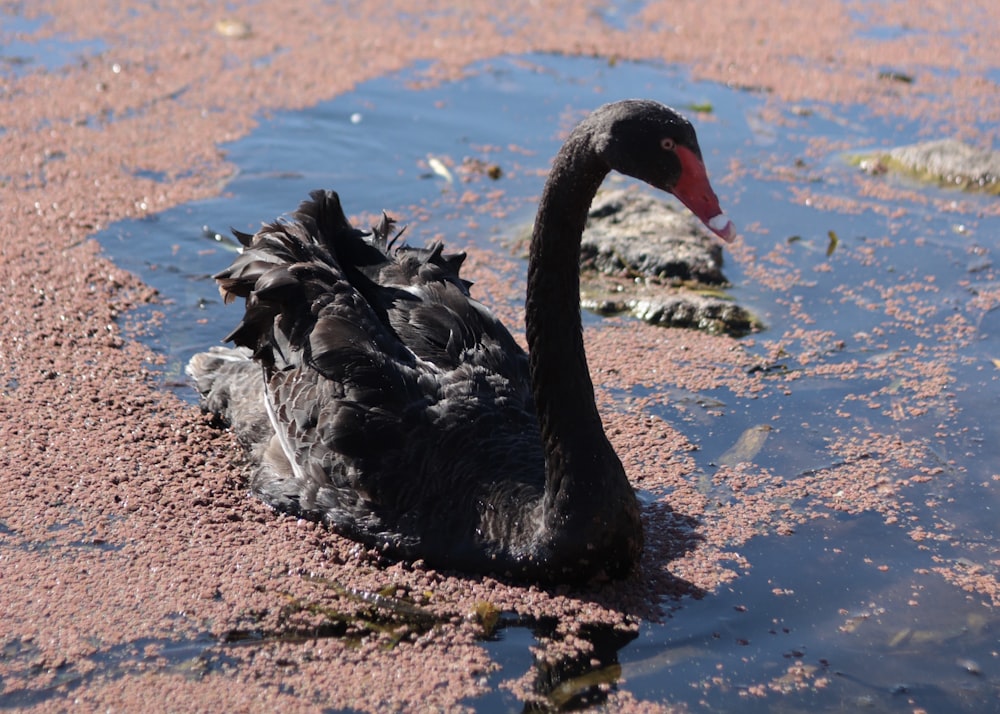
(374, 393)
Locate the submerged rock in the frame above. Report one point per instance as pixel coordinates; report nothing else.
(644, 257)
(665, 305)
(946, 161)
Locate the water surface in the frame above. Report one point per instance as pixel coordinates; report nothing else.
(20, 53)
(850, 611)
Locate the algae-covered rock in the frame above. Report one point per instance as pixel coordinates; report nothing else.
(665, 305)
(946, 161)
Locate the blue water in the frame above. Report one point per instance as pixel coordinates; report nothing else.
(20, 53)
(849, 624)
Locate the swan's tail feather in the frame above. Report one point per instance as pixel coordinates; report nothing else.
(383, 229)
(231, 388)
(288, 271)
(292, 271)
(205, 367)
(326, 226)
(244, 238)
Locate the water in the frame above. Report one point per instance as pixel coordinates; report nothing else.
(19, 56)
(848, 612)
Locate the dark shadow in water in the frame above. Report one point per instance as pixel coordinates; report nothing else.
(577, 666)
(580, 681)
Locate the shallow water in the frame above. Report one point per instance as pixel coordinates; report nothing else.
(825, 615)
(19, 56)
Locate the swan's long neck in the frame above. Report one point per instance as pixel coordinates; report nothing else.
(572, 434)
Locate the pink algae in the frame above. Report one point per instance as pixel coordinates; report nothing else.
(126, 527)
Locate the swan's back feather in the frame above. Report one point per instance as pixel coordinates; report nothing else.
(400, 407)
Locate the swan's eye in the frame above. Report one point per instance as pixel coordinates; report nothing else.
(667, 144)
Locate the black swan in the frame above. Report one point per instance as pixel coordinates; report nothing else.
(376, 395)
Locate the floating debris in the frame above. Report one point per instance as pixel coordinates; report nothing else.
(438, 167)
(896, 76)
(232, 28)
(472, 166)
(488, 616)
(832, 245)
(969, 665)
(701, 107)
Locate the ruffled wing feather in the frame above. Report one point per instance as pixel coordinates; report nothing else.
(397, 401)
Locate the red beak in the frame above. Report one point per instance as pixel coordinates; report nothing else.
(695, 192)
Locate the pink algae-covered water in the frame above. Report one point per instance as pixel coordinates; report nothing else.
(819, 497)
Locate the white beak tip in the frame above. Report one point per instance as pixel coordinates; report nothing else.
(723, 227)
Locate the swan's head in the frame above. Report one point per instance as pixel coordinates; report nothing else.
(653, 143)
